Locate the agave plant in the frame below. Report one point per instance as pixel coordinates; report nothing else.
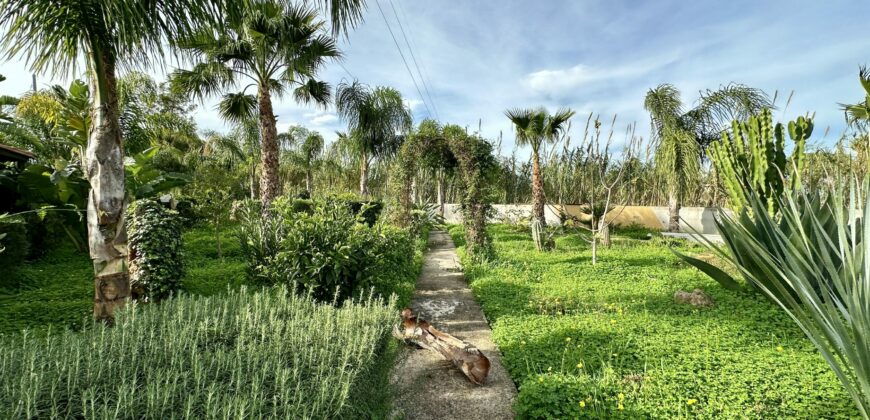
(812, 260)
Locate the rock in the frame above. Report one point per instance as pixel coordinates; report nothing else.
(697, 298)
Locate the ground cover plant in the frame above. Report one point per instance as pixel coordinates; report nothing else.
(243, 354)
(609, 341)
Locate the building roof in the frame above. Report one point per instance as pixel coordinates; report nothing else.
(9, 153)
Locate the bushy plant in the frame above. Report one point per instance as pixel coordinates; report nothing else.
(259, 235)
(14, 240)
(332, 252)
(270, 354)
(156, 262)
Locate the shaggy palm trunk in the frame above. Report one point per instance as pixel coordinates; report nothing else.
(308, 180)
(537, 189)
(269, 186)
(673, 210)
(440, 193)
(364, 174)
(104, 164)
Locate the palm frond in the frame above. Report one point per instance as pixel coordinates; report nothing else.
(238, 107)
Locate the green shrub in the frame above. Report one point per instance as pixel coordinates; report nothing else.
(15, 242)
(330, 252)
(156, 262)
(259, 237)
(241, 355)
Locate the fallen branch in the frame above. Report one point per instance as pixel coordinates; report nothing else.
(464, 356)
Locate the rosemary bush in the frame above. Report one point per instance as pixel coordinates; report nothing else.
(268, 354)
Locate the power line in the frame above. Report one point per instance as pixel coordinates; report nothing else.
(401, 54)
(414, 43)
(414, 59)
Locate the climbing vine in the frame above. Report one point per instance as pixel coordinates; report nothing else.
(472, 159)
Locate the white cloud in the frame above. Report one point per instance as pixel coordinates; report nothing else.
(324, 119)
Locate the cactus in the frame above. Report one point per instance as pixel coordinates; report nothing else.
(752, 158)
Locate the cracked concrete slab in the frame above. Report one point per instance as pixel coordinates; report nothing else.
(428, 386)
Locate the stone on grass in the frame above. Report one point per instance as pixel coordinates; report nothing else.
(697, 298)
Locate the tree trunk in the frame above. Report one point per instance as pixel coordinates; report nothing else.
(440, 192)
(269, 151)
(308, 180)
(107, 201)
(537, 189)
(673, 211)
(467, 358)
(364, 174)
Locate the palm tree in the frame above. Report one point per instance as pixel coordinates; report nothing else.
(272, 48)
(534, 127)
(683, 136)
(308, 148)
(54, 36)
(105, 35)
(858, 115)
(376, 119)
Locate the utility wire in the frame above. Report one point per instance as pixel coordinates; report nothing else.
(401, 54)
(414, 43)
(414, 59)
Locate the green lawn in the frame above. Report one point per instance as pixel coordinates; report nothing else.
(609, 341)
(57, 290)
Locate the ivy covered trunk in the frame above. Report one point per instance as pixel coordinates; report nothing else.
(364, 173)
(673, 210)
(269, 186)
(440, 177)
(104, 164)
(537, 189)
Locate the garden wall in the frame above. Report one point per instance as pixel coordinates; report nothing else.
(699, 218)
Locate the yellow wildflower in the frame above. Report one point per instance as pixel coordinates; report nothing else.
(779, 348)
(582, 404)
(621, 396)
(579, 365)
(691, 401)
(613, 321)
(567, 338)
(620, 407)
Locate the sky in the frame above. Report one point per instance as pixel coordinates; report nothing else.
(478, 58)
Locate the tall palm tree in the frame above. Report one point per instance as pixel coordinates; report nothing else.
(683, 136)
(534, 127)
(54, 36)
(376, 118)
(105, 35)
(272, 48)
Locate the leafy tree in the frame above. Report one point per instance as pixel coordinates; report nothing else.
(683, 136)
(534, 127)
(376, 118)
(272, 48)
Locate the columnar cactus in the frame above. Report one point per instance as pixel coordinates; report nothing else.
(751, 158)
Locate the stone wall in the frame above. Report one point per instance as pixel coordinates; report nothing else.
(697, 218)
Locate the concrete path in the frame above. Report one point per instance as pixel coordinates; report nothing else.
(427, 385)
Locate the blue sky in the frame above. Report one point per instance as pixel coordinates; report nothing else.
(479, 58)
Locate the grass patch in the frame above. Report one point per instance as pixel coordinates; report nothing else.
(238, 355)
(608, 341)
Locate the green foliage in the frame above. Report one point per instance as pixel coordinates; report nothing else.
(330, 253)
(157, 263)
(752, 158)
(241, 354)
(14, 241)
(812, 260)
(742, 358)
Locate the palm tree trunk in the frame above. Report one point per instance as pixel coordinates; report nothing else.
(673, 210)
(308, 180)
(107, 201)
(440, 177)
(537, 189)
(269, 185)
(364, 174)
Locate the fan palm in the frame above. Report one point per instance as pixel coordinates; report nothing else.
(271, 47)
(534, 127)
(376, 119)
(859, 114)
(683, 136)
(308, 148)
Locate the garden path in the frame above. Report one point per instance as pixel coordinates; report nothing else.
(427, 385)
